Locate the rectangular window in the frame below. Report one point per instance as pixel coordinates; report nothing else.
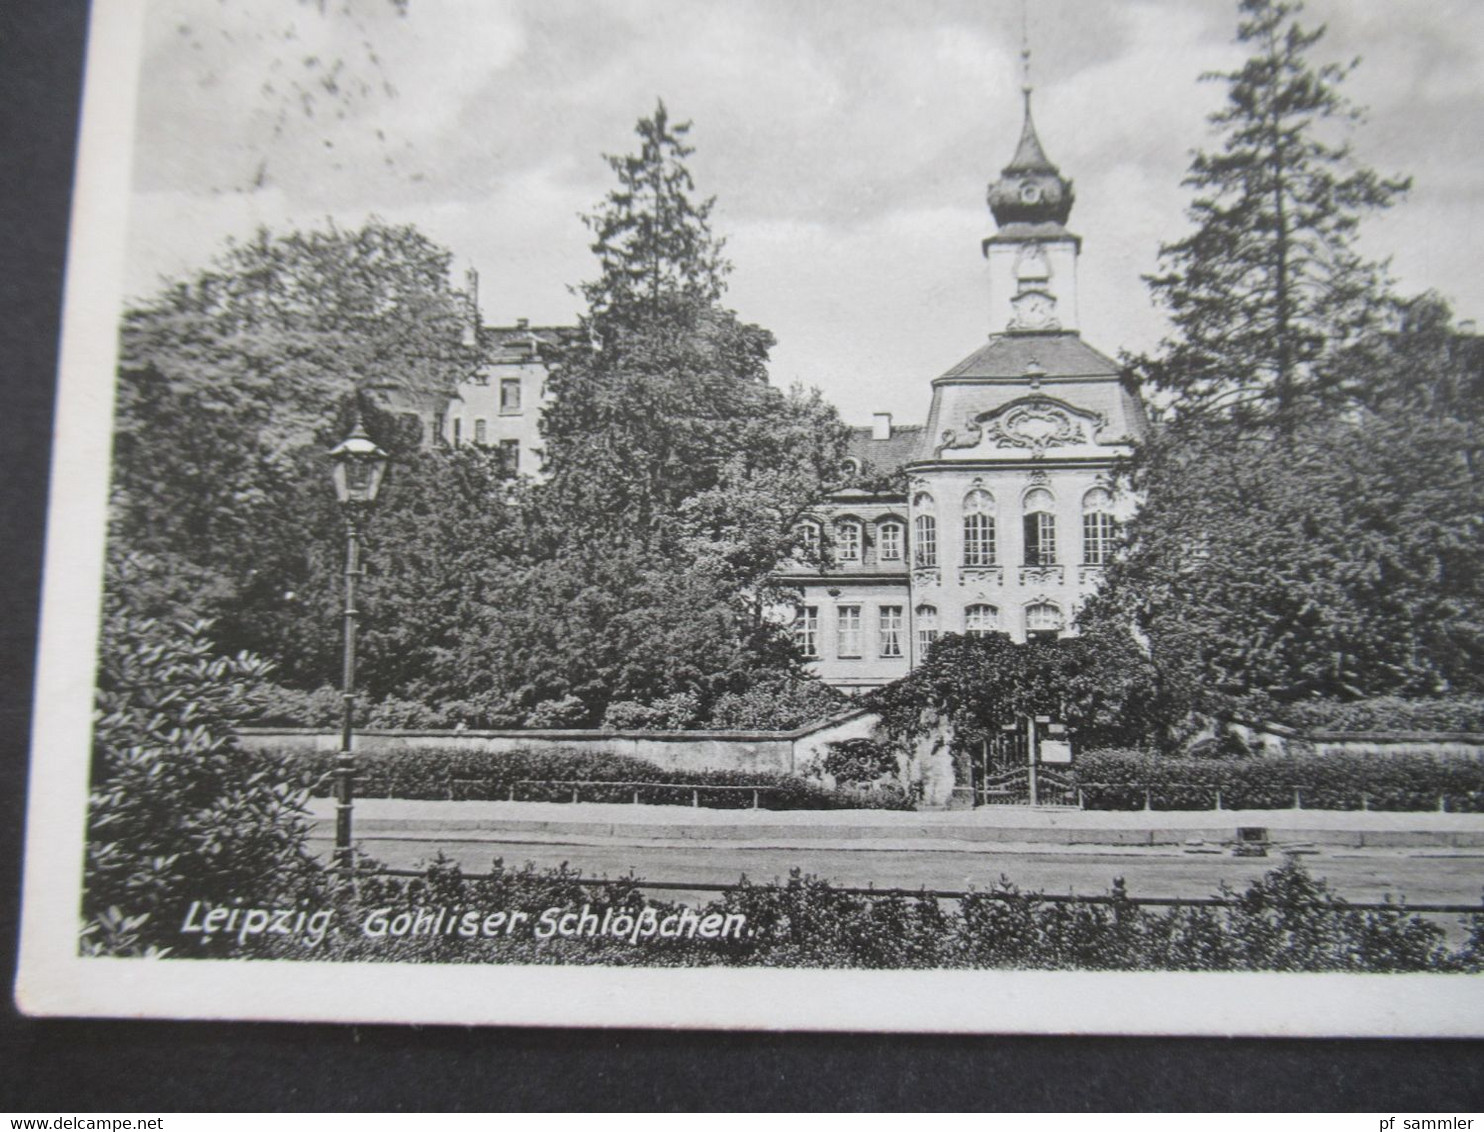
(458, 431)
(978, 540)
(848, 630)
(481, 431)
(440, 423)
(806, 630)
(891, 630)
(510, 395)
(889, 538)
(1040, 539)
(510, 455)
(1098, 534)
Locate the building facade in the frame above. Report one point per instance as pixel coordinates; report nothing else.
(1000, 513)
(498, 403)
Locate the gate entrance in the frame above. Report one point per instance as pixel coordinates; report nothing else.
(1004, 774)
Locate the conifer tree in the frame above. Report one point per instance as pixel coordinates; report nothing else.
(1269, 286)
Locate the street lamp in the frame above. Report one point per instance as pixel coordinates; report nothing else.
(358, 466)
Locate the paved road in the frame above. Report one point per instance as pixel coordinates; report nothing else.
(1421, 876)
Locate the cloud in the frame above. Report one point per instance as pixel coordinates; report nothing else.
(848, 144)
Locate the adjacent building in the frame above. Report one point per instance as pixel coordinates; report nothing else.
(498, 403)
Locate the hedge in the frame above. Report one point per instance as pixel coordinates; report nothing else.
(454, 773)
(1285, 921)
(1118, 780)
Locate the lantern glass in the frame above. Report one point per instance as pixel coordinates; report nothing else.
(359, 466)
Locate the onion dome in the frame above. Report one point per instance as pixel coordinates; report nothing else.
(1031, 190)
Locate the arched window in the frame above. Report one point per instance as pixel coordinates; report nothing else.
(807, 539)
(924, 531)
(979, 547)
(926, 617)
(1099, 528)
(1043, 621)
(848, 540)
(981, 620)
(1040, 528)
(889, 540)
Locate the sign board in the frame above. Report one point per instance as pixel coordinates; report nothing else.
(1056, 751)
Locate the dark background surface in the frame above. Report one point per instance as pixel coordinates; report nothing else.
(81, 1066)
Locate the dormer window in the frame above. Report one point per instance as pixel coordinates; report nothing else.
(807, 539)
(889, 534)
(848, 540)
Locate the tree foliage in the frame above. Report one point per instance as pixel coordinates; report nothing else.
(1269, 288)
(1344, 562)
(1311, 507)
(178, 811)
(676, 470)
(1100, 683)
(639, 572)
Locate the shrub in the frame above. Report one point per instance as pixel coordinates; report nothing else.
(779, 704)
(859, 760)
(1388, 713)
(293, 707)
(540, 776)
(629, 715)
(396, 714)
(1118, 780)
(178, 811)
(1285, 921)
(678, 712)
(568, 711)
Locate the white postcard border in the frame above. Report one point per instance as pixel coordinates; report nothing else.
(54, 980)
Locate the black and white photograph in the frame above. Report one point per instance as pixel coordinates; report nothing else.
(951, 516)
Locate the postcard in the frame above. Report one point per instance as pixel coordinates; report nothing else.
(892, 516)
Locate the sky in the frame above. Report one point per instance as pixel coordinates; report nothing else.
(848, 144)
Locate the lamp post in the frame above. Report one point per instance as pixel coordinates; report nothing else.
(358, 466)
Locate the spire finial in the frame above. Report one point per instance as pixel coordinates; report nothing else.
(1025, 52)
(1030, 190)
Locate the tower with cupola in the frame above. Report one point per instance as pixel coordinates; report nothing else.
(1011, 508)
(1012, 498)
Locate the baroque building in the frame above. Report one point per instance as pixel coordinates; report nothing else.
(999, 514)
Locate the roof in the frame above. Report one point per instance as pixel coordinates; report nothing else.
(516, 344)
(1010, 357)
(883, 455)
(1029, 156)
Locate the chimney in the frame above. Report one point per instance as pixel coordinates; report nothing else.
(471, 297)
(880, 426)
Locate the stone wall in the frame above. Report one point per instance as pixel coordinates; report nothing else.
(1443, 744)
(776, 752)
